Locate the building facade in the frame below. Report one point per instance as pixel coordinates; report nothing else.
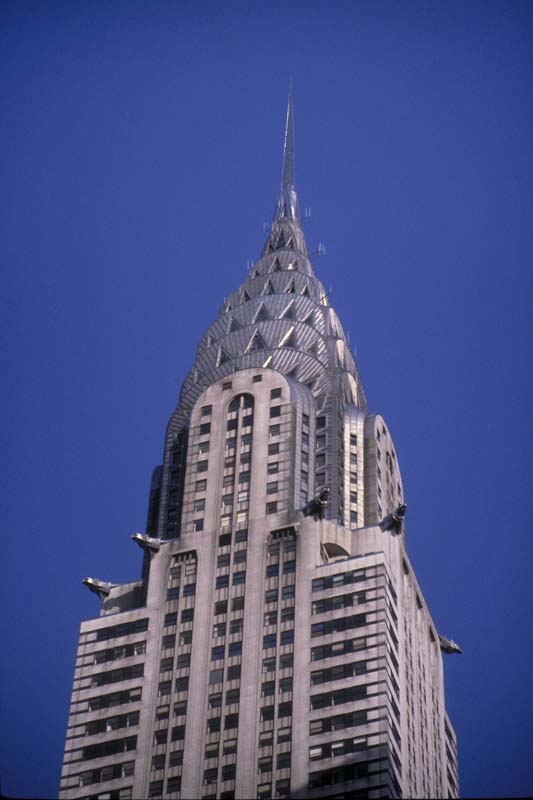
(277, 645)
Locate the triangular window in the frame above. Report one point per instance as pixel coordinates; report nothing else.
(290, 288)
(234, 325)
(210, 340)
(269, 289)
(245, 296)
(305, 292)
(223, 356)
(227, 306)
(310, 384)
(262, 314)
(281, 240)
(292, 373)
(289, 244)
(289, 312)
(309, 319)
(276, 266)
(289, 340)
(313, 350)
(256, 343)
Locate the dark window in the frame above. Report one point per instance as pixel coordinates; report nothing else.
(272, 570)
(231, 721)
(189, 589)
(285, 709)
(283, 761)
(235, 649)
(274, 393)
(182, 684)
(217, 652)
(216, 676)
(289, 566)
(269, 641)
(271, 508)
(205, 428)
(239, 577)
(237, 604)
(224, 540)
(228, 772)
(275, 411)
(221, 607)
(222, 581)
(201, 466)
(234, 672)
(206, 411)
(287, 637)
(267, 713)
(178, 733)
(232, 696)
(273, 449)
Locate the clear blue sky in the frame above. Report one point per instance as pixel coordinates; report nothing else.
(140, 150)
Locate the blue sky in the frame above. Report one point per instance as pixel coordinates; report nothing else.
(140, 156)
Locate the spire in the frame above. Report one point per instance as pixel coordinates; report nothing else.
(287, 173)
(287, 206)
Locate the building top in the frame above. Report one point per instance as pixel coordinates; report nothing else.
(280, 317)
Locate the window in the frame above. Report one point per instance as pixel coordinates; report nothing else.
(287, 637)
(217, 652)
(273, 467)
(275, 411)
(228, 772)
(239, 557)
(287, 614)
(320, 422)
(221, 607)
(200, 486)
(216, 676)
(231, 721)
(257, 378)
(286, 660)
(171, 619)
(222, 581)
(223, 560)
(271, 617)
(237, 604)
(229, 746)
(224, 540)
(205, 428)
(189, 589)
(268, 688)
(269, 641)
(210, 775)
(235, 649)
(285, 685)
(219, 629)
(265, 764)
(274, 393)
(320, 442)
(172, 594)
(272, 570)
(241, 536)
(289, 566)
(266, 738)
(234, 672)
(198, 525)
(274, 430)
(287, 591)
(180, 709)
(178, 733)
(201, 466)
(267, 713)
(271, 595)
(183, 660)
(235, 627)
(269, 664)
(271, 508)
(284, 735)
(182, 684)
(283, 761)
(199, 505)
(232, 696)
(272, 487)
(273, 449)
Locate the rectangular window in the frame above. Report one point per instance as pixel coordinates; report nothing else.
(274, 393)
(274, 430)
(205, 427)
(187, 615)
(222, 581)
(237, 604)
(271, 508)
(275, 411)
(201, 466)
(217, 653)
(206, 411)
(272, 487)
(272, 570)
(269, 641)
(231, 721)
(229, 746)
(234, 672)
(287, 637)
(239, 577)
(224, 540)
(235, 649)
(273, 449)
(273, 467)
(198, 525)
(216, 676)
(200, 486)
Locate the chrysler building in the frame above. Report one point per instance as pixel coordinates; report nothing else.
(277, 643)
